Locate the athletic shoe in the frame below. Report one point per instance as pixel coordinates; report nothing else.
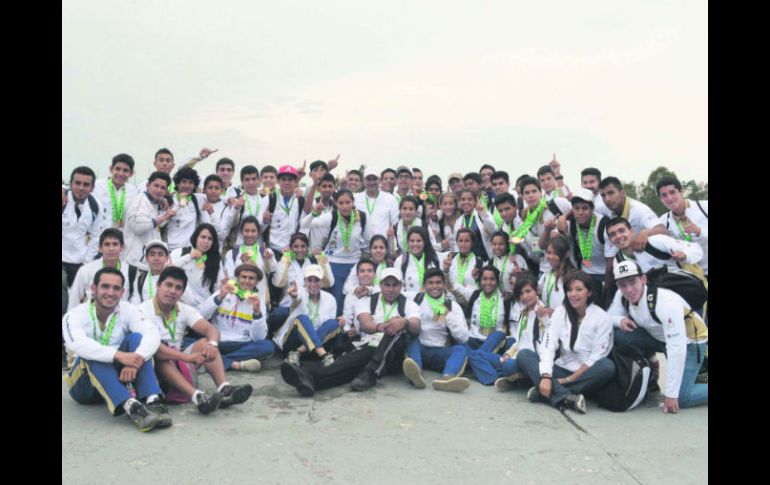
(251, 365)
(451, 384)
(534, 395)
(327, 360)
(507, 383)
(142, 417)
(364, 380)
(575, 402)
(234, 395)
(413, 373)
(208, 402)
(161, 410)
(293, 358)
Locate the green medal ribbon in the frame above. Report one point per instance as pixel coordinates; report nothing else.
(254, 251)
(377, 278)
(117, 266)
(462, 268)
(437, 305)
(586, 242)
(149, 287)
(374, 204)
(287, 209)
(522, 324)
(498, 218)
(248, 206)
(420, 266)
(488, 320)
(386, 313)
(167, 324)
(685, 236)
(105, 337)
(313, 316)
(345, 231)
(171, 188)
(202, 259)
(549, 285)
(528, 223)
(468, 221)
(118, 207)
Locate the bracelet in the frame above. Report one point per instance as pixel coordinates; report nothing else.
(213, 343)
(546, 376)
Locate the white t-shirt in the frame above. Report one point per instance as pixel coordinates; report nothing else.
(384, 211)
(171, 335)
(697, 216)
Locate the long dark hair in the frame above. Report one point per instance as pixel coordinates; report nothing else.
(561, 247)
(505, 236)
(428, 251)
(571, 312)
(211, 269)
(379, 237)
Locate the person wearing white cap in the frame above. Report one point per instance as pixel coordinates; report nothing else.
(381, 207)
(144, 284)
(279, 216)
(582, 332)
(385, 318)
(587, 230)
(312, 320)
(652, 320)
(111, 247)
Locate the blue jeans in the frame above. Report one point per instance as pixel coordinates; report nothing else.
(340, 272)
(593, 379)
(303, 333)
(448, 360)
(278, 316)
(491, 344)
(92, 382)
(238, 351)
(487, 367)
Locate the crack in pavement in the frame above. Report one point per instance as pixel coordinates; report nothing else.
(613, 456)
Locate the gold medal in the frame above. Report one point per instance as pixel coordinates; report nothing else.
(587, 263)
(201, 264)
(183, 203)
(440, 318)
(516, 240)
(423, 196)
(265, 191)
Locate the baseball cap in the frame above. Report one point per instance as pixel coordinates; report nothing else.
(626, 269)
(403, 168)
(455, 175)
(287, 170)
(155, 243)
(391, 272)
(314, 270)
(371, 171)
(583, 195)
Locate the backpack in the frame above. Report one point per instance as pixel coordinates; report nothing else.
(272, 201)
(132, 270)
(628, 388)
(335, 216)
(507, 304)
(375, 298)
(554, 208)
(685, 284)
(92, 203)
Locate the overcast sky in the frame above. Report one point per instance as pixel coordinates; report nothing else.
(446, 86)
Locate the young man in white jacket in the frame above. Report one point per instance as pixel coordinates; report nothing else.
(441, 320)
(658, 320)
(81, 222)
(114, 344)
(144, 218)
(115, 193)
(111, 246)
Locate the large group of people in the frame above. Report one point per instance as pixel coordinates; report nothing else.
(525, 285)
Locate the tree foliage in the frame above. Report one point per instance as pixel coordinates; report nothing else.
(645, 191)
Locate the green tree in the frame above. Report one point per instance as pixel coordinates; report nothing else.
(645, 192)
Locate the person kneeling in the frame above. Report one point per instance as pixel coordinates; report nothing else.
(440, 319)
(171, 317)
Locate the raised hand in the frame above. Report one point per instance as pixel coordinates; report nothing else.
(333, 163)
(205, 152)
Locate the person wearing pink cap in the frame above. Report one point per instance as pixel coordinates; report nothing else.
(280, 213)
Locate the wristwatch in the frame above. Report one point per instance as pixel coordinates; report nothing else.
(214, 343)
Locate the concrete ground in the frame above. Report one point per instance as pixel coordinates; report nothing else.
(391, 434)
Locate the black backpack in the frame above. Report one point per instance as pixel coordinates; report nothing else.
(507, 304)
(272, 201)
(375, 298)
(628, 388)
(132, 271)
(681, 282)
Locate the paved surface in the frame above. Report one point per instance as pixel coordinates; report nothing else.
(391, 434)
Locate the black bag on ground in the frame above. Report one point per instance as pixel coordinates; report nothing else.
(628, 388)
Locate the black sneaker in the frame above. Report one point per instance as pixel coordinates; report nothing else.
(208, 402)
(235, 395)
(364, 380)
(575, 402)
(142, 417)
(161, 410)
(298, 377)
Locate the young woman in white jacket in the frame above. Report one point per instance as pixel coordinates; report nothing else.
(582, 332)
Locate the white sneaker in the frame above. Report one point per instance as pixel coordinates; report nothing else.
(251, 365)
(506, 383)
(293, 358)
(451, 384)
(413, 373)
